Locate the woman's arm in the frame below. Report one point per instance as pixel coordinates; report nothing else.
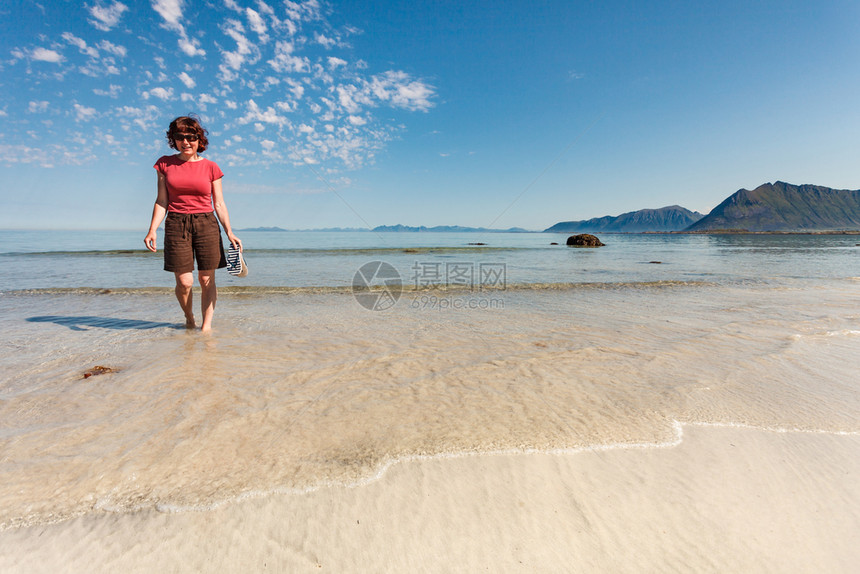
(223, 215)
(159, 210)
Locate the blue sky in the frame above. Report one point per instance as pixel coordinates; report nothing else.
(483, 113)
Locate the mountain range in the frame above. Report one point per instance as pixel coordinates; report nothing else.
(402, 228)
(445, 228)
(779, 207)
(671, 218)
(782, 206)
(776, 206)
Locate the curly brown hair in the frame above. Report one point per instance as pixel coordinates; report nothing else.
(187, 125)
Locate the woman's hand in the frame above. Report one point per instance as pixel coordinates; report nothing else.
(149, 241)
(235, 241)
(159, 210)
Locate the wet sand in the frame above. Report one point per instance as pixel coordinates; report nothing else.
(724, 499)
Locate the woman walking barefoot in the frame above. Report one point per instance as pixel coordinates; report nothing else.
(190, 195)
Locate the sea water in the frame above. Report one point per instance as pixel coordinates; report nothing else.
(516, 345)
(116, 260)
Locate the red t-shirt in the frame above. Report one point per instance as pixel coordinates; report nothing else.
(189, 183)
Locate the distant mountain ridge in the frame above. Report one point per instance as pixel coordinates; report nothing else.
(778, 207)
(446, 228)
(403, 228)
(670, 218)
(782, 206)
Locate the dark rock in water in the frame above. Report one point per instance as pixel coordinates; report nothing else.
(656, 262)
(584, 240)
(554, 243)
(476, 243)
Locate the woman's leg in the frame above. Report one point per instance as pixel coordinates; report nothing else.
(208, 297)
(184, 282)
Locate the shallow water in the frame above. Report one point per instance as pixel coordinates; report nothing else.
(294, 391)
(40, 260)
(298, 388)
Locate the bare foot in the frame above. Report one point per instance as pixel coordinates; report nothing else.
(190, 323)
(206, 329)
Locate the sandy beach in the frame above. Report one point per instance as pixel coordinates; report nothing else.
(723, 499)
(706, 424)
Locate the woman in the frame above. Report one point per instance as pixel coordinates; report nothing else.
(188, 186)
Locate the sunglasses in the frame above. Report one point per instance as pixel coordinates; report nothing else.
(189, 137)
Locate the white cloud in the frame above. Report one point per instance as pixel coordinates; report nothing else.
(401, 91)
(303, 11)
(171, 11)
(290, 27)
(83, 113)
(285, 62)
(274, 75)
(265, 8)
(37, 107)
(112, 48)
(257, 114)
(159, 92)
(80, 44)
(255, 21)
(106, 17)
(21, 154)
(334, 63)
(297, 89)
(246, 51)
(191, 47)
(113, 91)
(45, 55)
(351, 98)
(322, 75)
(187, 80)
(325, 41)
(143, 118)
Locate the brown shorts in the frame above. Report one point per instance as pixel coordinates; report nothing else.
(192, 235)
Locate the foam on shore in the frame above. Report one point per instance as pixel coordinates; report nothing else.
(723, 499)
